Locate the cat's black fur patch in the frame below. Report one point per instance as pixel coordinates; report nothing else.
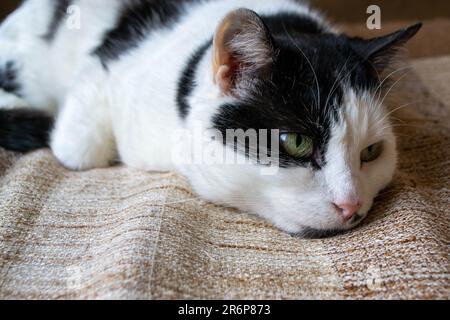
(59, 12)
(292, 100)
(8, 78)
(137, 19)
(295, 24)
(24, 130)
(186, 83)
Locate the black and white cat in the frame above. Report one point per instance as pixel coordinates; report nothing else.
(129, 74)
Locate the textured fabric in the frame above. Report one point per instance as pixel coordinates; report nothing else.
(121, 233)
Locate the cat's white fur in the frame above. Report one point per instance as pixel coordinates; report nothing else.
(130, 112)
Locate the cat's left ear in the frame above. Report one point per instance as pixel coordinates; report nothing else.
(242, 52)
(380, 51)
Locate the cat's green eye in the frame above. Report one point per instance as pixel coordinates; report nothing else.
(297, 145)
(372, 152)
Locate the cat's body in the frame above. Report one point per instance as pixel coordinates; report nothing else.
(133, 73)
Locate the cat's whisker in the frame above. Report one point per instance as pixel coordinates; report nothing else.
(399, 108)
(394, 127)
(392, 86)
(337, 80)
(380, 86)
(397, 119)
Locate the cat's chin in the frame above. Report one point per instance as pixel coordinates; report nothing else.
(311, 233)
(320, 233)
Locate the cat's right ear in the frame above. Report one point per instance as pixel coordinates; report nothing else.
(242, 52)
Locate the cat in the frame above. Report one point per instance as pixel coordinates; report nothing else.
(119, 82)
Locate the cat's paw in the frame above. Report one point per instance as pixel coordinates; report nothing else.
(79, 160)
(79, 155)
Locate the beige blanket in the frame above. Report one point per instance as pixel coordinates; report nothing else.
(120, 233)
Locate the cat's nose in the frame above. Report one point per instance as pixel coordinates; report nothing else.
(347, 209)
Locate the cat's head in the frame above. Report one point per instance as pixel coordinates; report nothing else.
(323, 92)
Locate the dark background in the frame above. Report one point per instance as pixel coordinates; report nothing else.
(351, 16)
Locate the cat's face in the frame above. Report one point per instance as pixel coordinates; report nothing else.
(336, 145)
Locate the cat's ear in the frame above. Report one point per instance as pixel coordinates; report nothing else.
(242, 51)
(380, 51)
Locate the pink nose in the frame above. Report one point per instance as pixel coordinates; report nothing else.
(347, 209)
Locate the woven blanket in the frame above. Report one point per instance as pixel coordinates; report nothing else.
(119, 233)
